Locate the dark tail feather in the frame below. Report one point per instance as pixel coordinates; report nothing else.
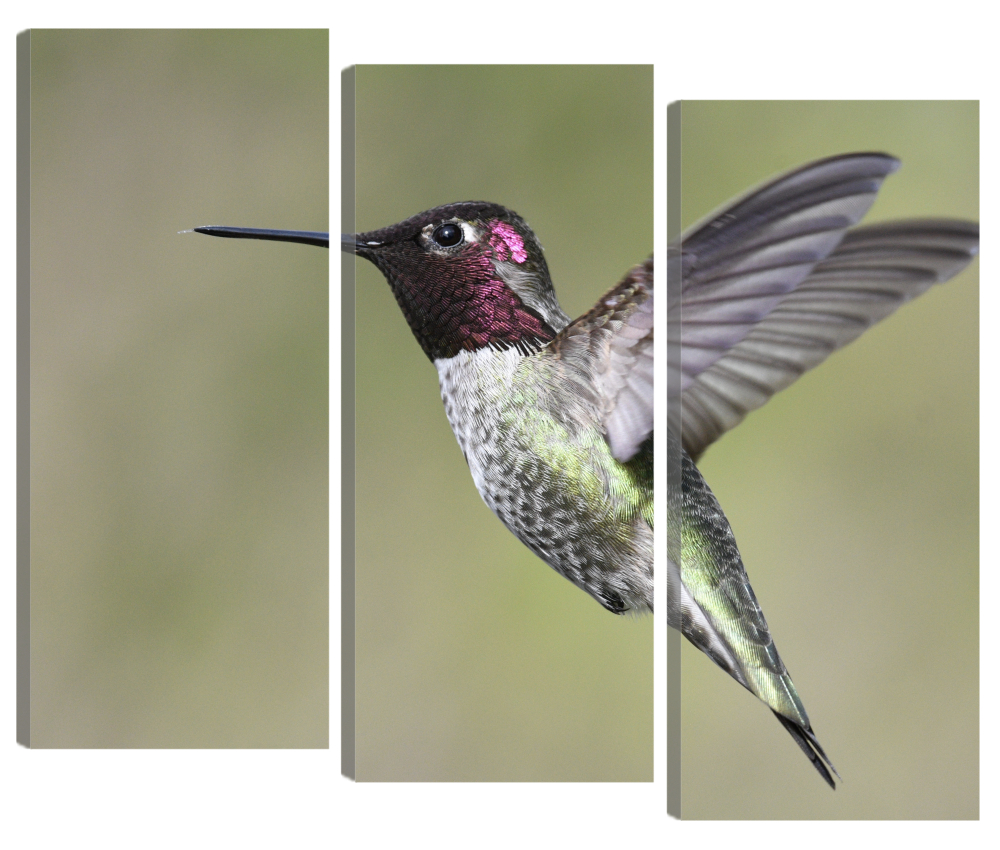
(810, 746)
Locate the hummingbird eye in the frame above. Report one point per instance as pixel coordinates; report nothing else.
(448, 235)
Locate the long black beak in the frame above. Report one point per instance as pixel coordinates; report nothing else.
(349, 243)
(305, 237)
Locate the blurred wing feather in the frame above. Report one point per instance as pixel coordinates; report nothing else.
(738, 264)
(611, 350)
(874, 270)
(775, 282)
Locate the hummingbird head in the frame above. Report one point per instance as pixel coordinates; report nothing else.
(466, 276)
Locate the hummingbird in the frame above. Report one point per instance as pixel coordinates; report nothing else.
(555, 416)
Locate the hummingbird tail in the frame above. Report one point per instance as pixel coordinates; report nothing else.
(806, 739)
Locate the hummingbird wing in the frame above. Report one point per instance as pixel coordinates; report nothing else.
(612, 347)
(775, 283)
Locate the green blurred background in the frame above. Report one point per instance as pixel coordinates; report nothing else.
(475, 661)
(179, 422)
(854, 497)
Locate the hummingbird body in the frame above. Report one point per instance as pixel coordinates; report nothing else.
(539, 459)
